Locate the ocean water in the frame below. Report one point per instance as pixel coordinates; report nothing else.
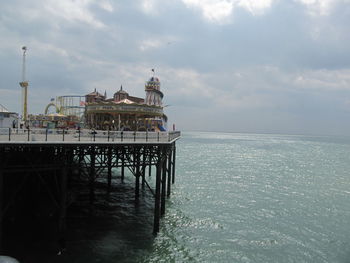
(258, 198)
(237, 198)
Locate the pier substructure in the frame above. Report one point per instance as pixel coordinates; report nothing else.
(1, 202)
(47, 171)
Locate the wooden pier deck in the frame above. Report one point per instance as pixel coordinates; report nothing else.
(40, 162)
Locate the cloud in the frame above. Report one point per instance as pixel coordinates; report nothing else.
(157, 42)
(320, 7)
(55, 12)
(220, 11)
(255, 7)
(77, 10)
(105, 5)
(252, 66)
(324, 80)
(213, 10)
(149, 6)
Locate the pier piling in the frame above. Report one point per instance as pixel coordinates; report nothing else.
(123, 165)
(47, 169)
(169, 174)
(157, 197)
(92, 174)
(163, 193)
(1, 207)
(137, 174)
(150, 164)
(63, 209)
(143, 170)
(109, 167)
(173, 170)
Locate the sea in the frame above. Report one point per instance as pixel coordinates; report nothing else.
(236, 198)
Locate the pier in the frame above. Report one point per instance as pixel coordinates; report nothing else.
(42, 165)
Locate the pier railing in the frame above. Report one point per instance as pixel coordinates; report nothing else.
(84, 135)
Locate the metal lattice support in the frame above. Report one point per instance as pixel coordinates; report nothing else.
(55, 167)
(1, 202)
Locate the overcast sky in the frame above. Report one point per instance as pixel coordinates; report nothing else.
(264, 66)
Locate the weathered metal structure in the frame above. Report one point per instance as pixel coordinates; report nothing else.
(39, 165)
(68, 105)
(24, 85)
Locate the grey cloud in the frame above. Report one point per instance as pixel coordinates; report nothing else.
(234, 77)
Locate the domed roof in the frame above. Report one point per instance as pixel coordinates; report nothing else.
(154, 79)
(153, 83)
(121, 91)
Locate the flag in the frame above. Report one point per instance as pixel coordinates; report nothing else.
(82, 103)
(152, 69)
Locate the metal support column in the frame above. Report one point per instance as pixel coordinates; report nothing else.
(92, 174)
(63, 208)
(157, 195)
(163, 194)
(81, 158)
(137, 173)
(1, 207)
(70, 164)
(150, 164)
(174, 157)
(123, 164)
(169, 173)
(109, 164)
(143, 171)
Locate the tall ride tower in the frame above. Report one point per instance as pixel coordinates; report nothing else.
(153, 94)
(24, 84)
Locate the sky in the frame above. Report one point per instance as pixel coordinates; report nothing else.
(258, 66)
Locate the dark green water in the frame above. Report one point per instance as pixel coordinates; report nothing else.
(237, 198)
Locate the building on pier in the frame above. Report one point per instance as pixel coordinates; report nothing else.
(7, 119)
(125, 112)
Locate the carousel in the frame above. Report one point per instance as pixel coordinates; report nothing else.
(126, 113)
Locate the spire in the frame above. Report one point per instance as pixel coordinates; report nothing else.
(95, 90)
(105, 94)
(121, 87)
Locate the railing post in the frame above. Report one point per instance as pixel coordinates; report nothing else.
(108, 135)
(63, 135)
(146, 136)
(134, 135)
(79, 134)
(121, 136)
(46, 135)
(28, 133)
(94, 132)
(9, 134)
(158, 137)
